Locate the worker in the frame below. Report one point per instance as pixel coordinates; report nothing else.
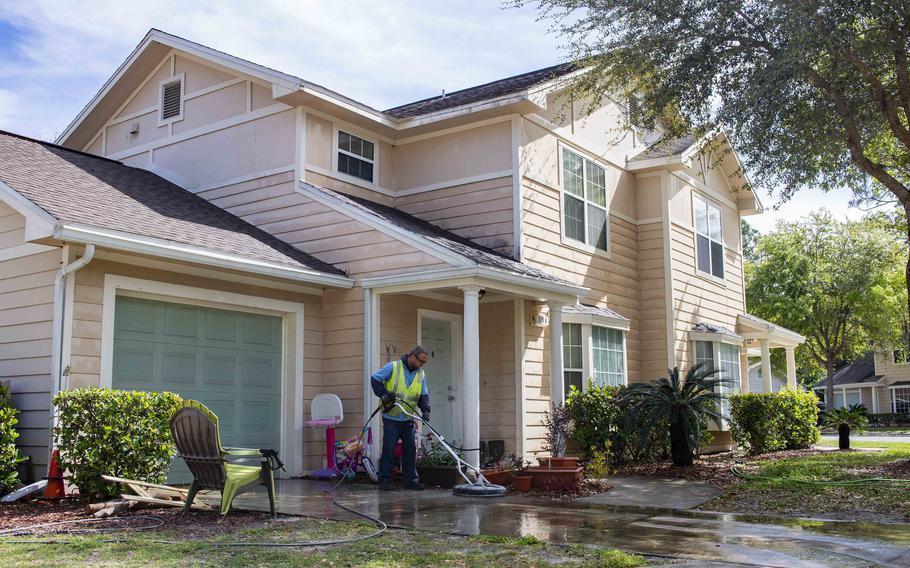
(401, 380)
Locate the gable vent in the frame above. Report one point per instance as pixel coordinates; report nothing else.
(170, 100)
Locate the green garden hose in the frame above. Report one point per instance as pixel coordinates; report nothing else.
(749, 477)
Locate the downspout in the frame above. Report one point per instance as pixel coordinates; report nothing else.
(59, 305)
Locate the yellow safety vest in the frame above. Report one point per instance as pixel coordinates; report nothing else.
(398, 385)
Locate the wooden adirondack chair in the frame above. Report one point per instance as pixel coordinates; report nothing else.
(195, 431)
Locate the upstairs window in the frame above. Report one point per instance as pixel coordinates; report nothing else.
(709, 239)
(171, 103)
(355, 156)
(584, 201)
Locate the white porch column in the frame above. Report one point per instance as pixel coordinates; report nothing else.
(557, 388)
(471, 375)
(767, 385)
(791, 367)
(874, 400)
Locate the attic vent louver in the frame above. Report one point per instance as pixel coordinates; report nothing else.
(170, 100)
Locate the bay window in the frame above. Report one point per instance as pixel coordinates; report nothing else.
(593, 351)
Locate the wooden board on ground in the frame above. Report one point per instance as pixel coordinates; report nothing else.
(168, 502)
(145, 489)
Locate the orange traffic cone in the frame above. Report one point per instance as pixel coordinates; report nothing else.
(54, 489)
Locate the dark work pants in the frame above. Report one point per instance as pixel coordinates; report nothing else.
(392, 431)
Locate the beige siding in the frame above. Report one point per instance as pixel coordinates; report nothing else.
(26, 313)
(480, 211)
(652, 295)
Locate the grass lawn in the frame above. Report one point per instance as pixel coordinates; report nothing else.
(393, 549)
(881, 501)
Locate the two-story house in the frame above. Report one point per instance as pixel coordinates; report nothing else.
(242, 236)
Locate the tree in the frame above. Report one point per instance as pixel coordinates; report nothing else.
(750, 240)
(838, 283)
(814, 93)
(686, 405)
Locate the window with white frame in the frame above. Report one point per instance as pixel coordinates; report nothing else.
(900, 399)
(853, 398)
(709, 239)
(584, 205)
(356, 156)
(592, 351)
(725, 359)
(572, 358)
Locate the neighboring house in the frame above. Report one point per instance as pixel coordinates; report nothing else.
(880, 382)
(245, 237)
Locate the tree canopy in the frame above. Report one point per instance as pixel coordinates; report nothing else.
(839, 283)
(813, 93)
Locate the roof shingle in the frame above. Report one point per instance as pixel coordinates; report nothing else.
(81, 188)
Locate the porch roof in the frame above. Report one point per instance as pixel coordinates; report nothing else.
(468, 252)
(752, 327)
(712, 332)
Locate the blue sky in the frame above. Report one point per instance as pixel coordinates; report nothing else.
(55, 55)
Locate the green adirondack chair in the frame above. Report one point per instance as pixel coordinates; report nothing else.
(195, 431)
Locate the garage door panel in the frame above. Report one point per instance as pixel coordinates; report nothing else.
(230, 361)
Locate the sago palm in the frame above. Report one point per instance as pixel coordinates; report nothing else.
(684, 405)
(844, 420)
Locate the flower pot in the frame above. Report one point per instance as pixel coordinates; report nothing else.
(555, 478)
(522, 482)
(439, 475)
(497, 476)
(560, 462)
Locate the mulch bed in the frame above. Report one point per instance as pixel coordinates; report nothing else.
(196, 524)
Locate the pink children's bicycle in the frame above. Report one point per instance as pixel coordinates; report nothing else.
(350, 459)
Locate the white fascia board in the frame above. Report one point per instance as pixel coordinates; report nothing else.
(177, 251)
(457, 276)
(598, 320)
(420, 243)
(469, 108)
(768, 330)
(38, 222)
(722, 337)
(666, 162)
(348, 104)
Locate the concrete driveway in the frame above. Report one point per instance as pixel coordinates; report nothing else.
(698, 536)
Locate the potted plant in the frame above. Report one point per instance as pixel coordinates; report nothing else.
(844, 420)
(558, 422)
(521, 479)
(686, 404)
(497, 471)
(436, 467)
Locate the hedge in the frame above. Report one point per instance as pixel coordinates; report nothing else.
(890, 419)
(114, 432)
(770, 422)
(9, 454)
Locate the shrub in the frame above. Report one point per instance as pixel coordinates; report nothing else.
(114, 432)
(596, 417)
(9, 454)
(770, 422)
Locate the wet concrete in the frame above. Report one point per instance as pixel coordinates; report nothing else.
(654, 492)
(718, 537)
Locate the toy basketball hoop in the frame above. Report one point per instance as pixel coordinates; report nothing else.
(326, 412)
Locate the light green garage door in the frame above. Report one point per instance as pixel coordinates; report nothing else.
(230, 361)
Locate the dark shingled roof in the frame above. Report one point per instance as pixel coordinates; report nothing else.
(481, 92)
(459, 245)
(860, 371)
(592, 310)
(665, 149)
(81, 188)
(712, 328)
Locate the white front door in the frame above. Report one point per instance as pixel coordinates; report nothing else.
(439, 333)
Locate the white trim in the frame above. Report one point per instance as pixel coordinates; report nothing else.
(202, 130)
(374, 161)
(38, 222)
(517, 204)
(300, 139)
(453, 183)
(337, 121)
(668, 271)
(375, 222)
(567, 241)
(470, 108)
(217, 87)
(700, 186)
(498, 279)
(456, 322)
(292, 314)
(126, 118)
(239, 179)
(348, 179)
(664, 162)
(716, 337)
(161, 85)
(451, 130)
(22, 250)
(596, 319)
(248, 88)
(177, 251)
